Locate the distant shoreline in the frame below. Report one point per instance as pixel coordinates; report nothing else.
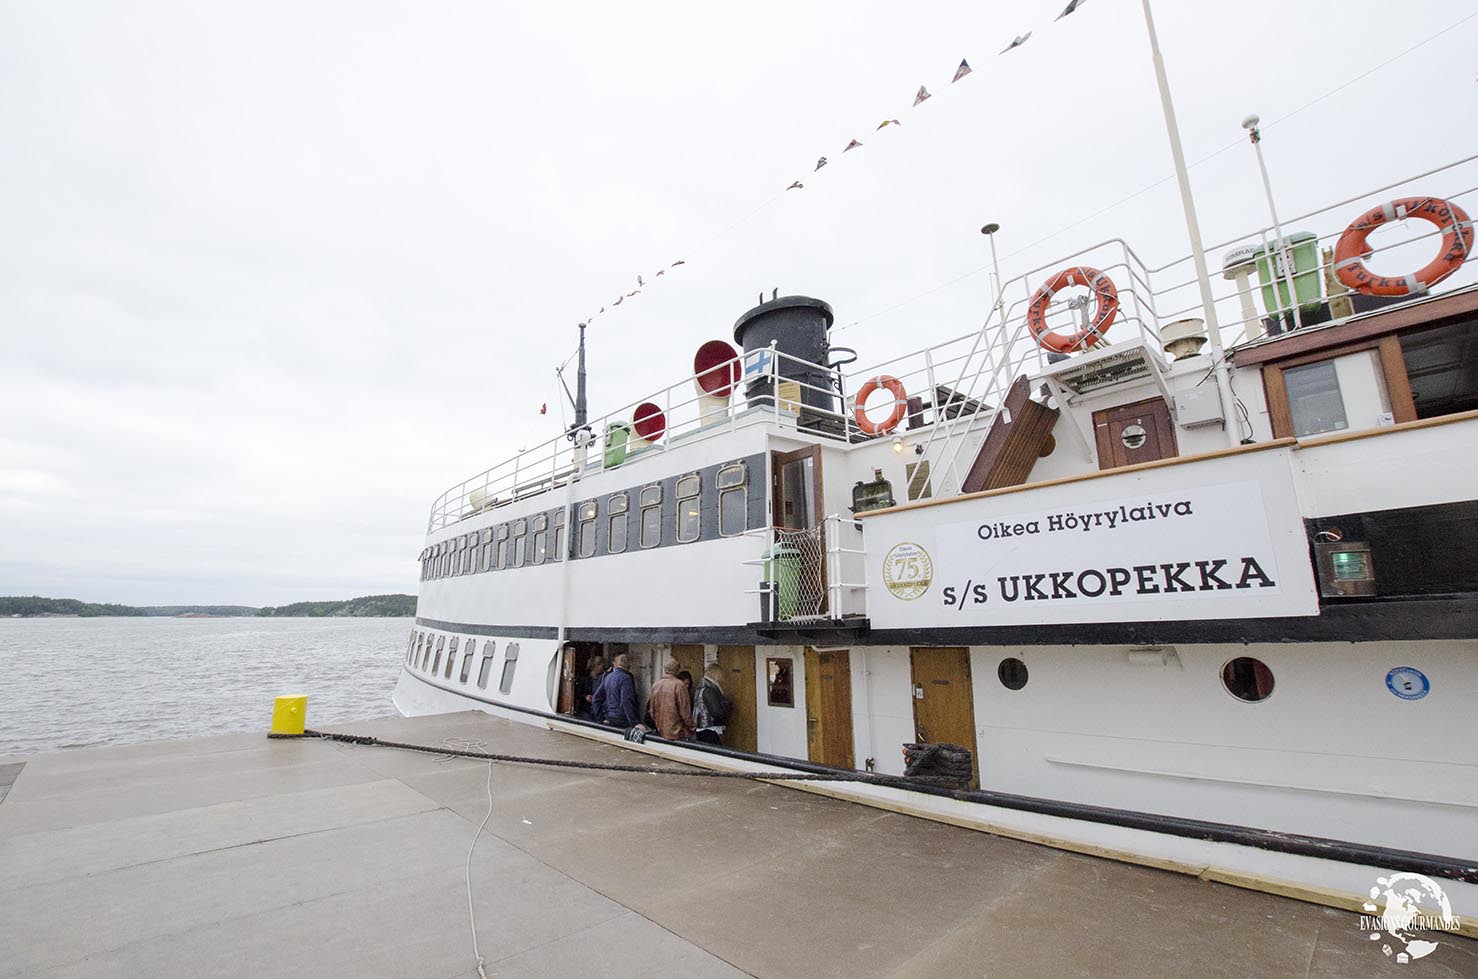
(365, 607)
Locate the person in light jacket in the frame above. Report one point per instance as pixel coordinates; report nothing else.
(670, 706)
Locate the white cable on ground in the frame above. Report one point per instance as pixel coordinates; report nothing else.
(471, 914)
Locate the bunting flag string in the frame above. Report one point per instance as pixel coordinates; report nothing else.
(919, 99)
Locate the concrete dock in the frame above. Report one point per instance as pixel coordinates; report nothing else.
(240, 856)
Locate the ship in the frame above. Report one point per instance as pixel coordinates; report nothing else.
(1178, 567)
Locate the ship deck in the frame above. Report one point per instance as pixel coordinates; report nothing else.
(238, 855)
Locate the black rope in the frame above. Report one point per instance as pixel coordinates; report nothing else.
(892, 781)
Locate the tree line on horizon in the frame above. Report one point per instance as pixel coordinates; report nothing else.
(367, 606)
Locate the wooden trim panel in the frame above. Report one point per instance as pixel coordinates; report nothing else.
(1369, 326)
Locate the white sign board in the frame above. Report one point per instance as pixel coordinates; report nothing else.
(1216, 539)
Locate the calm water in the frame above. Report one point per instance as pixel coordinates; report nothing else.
(69, 683)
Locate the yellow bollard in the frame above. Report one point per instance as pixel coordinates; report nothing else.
(289, 715)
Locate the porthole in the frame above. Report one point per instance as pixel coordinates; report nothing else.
(1133, 436)
(1012, 673)
(1247, 679)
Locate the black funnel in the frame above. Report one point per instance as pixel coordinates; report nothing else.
(797, 326)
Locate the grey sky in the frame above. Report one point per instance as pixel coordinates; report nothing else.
(274, 275)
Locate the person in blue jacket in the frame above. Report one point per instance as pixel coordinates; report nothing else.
(614, 703)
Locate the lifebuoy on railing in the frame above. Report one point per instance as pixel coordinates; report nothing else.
(1106, 307)
(1351, 252)
(900, 405)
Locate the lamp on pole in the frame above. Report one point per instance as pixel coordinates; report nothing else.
(1193, 228)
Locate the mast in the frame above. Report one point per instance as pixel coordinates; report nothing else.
(580, 405)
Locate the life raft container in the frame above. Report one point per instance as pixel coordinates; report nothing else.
(1106, 307)
(900, 405)
(1457, 245)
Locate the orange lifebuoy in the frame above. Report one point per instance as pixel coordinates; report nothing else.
(1457, 245)
(1106, 308)
(900, 405)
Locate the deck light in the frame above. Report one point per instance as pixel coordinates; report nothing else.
(1346, 568)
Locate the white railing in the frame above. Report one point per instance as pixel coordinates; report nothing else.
(957, 386)
(811, 575)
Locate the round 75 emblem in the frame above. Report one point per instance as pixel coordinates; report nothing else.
(908, 571)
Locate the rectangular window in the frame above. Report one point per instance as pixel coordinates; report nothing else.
(688, 522)
(510, 662)
(489, 649)
(733, 501)
(780, 691)
(556, 537)
(1314, 399)
(464, 553)
(436, 663)
(502, 548)
(617, 506)
(651, 516)
(422, 646)
(445, 561)
(520, 530)
(585, 529)
(451, 657)
(467, 662)
(486, 563)
(540, 546)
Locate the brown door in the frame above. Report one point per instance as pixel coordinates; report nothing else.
(943, 702)
(739, 686)
(829, 708)
(796, 505)
(1141, 432)
(690, 657)
(567, 657)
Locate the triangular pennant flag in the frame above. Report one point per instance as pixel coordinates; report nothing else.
(819, 164)
(639, 282)
(923, 94)
(544, 408)
(632, 293)
(795, 185)
(1071, 6)
(619, 300)
(678, 262)
(888, 122)
(852, 145)
(1018, 42)
(602, 310)
(965, 69)
(660, 272)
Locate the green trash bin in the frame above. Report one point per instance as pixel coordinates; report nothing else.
(783, 575)
(618, 434)
(1304, 247)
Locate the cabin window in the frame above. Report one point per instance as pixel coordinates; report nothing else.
(435, 562)
(688, 521)
(410, 646)
(436, 663)
(451, 657)
(617, 506)
(454, 567)
(557, 536)
(541, 538)
(1442, 368)
(651, 516)
(501, 547)
(486, 563)
(585, 529)
(780, 688)
(468, 554)
(1247, 679)
(489, 649)
(1012, 673)
(510, 663)
(733, 501)
(444, 562)
(467, 661)
(423, 645)
(1336, 394)
(520, 530)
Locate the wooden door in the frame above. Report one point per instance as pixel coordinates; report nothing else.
(567, 666)
(829, 708)
(742, 732)
(943, 700)
(1139, 432)
(689, 657)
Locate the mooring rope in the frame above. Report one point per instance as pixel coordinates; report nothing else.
(871, 778)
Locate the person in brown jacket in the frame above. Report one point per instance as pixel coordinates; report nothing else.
(671, 706)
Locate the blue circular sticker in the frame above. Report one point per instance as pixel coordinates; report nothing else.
(1408, 683)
